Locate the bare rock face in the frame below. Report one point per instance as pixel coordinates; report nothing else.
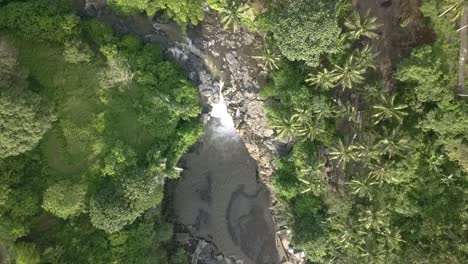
(243, 76)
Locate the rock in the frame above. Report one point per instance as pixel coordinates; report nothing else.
(268, 133)
(384, 3)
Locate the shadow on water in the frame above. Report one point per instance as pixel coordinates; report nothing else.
(218, 196)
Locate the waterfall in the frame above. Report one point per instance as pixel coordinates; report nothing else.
(223, 127)
(220, 112)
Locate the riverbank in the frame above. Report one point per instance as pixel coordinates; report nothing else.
(214, 58)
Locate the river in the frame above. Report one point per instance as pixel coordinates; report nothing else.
(219, 197)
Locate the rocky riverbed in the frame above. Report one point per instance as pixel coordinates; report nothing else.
(221, 204)
(209, 53)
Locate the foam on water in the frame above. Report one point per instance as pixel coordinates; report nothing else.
(219, 111)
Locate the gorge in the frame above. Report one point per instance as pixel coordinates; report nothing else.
(220, 200)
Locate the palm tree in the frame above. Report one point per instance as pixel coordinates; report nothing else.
(388, 110)
(311, 175)
(374, 220)
(393, 144)
(269, 59)
(350, 73)
(309, 129)
(392, 238)
(363, 188)
(343, 154)
(325, 79)
(347, 112)
(361, 26)
(370, 92)
(285, 127)
(454, 8)
(368, 151)
(381, 173)
(233, 13)
(366, 57)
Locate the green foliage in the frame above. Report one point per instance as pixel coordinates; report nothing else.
(124, 118)
(25, 118)
(388, 188)
(100, 33)
(359, 26)
(183, 12)
(10, 71)
(65, 199)
(40, 20)
(120, 158)
(427, 75)
(25, 115)
(285, 182)
(305, 30)
(77, 52)
(26, 253)
(310, 229)
(119, 203)
(20, 198)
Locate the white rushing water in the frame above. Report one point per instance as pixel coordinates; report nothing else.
(220, 111)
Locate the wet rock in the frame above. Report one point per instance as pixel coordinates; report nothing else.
(214, 60)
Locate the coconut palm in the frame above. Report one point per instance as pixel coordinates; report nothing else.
(359, 26)
(453, 8)
(347, 112)
(391, 238)
(374, 220)
(350, 73)
(393, 144)
(363, 188)
(370, 92)
(311, 176)
(309, 129)
(368, 150)
(343, 154)
(366, 57)
(233, 14)
(269, 58)
(285, 127)
(324, 79)
(388, 110)
(381, 173)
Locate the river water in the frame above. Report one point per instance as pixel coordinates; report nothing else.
(219, 197)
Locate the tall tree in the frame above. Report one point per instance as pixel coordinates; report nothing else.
(343, 154)
(324, 79)
(285, 127)
(388, 110)
(232, 12)
(65, 199)
(305, 30)
(361, 26)
(350, 73)
(24, 119)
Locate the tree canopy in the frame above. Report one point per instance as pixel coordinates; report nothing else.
(305, 30)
